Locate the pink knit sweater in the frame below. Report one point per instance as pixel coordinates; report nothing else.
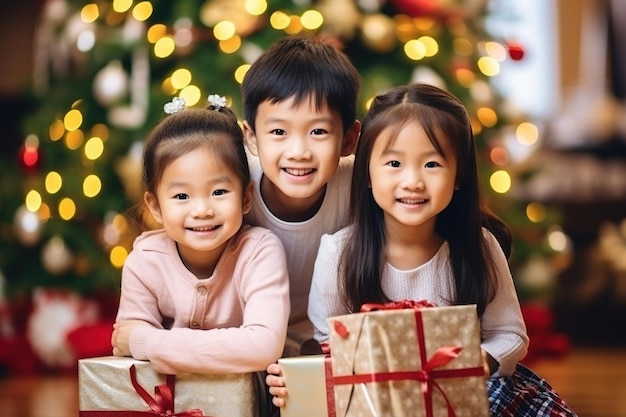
(232, 322)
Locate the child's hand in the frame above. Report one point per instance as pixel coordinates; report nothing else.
(276, 383)
(121, 335)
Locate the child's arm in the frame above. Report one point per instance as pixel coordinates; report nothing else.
(502, 325)
(243, 320)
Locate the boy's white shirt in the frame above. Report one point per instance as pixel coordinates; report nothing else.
(301, 239)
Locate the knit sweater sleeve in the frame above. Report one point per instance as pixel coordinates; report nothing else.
(251, 300)
(324, 299)
(502, 325)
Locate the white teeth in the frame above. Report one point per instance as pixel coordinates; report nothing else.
(298, 172)
(202, 229)
(406, 201)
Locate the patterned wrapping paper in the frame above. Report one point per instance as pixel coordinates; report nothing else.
(305, 379)
(386, 345)
(106, 389)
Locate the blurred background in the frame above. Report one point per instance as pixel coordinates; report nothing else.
(81, 83)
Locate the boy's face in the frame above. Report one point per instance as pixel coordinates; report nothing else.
(299, 149)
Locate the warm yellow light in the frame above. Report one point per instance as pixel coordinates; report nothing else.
(74, 139)
(495, 50)
(488, 66)
(156, 32)
(180, 78)
(67, 208)
(33, 201)
(462, 46)
(536, 212)
(118, 256)
(500, 181)
(240, 72)
(256, 7)
(558, 240)
(295, 25)
(94, 148)
(142, 11)
(231, 45)
(465, 77)
(72, 120)
(89, 13)
(122, 6)
(164, 47)
(92, 186)
(167, 87)
(279, 20)
(312, 19)
(191, 94)
(44, 213)
(224, 30)
(415, 49)
(57, 130)
(53, 182)
(527, 133)
(431, 45)
(100, 130)
(499, 156)
(487, 116)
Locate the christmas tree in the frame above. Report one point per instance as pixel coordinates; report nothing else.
(103, 71)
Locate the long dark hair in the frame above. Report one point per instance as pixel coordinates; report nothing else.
(443, 118)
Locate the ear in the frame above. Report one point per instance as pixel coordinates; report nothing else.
(247, 198)
(153, 206)
(351, 138)
(250, 138)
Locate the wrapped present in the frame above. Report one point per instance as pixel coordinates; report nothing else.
(125, 387)
(305, 378)
(417, 361)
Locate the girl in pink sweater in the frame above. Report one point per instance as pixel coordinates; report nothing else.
(205, 293)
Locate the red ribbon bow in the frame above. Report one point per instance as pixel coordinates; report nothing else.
(429, 372)
(161, 405)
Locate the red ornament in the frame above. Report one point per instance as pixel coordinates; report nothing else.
(516, 51)
(416, 8)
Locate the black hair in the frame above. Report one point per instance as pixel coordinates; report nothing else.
(444, 119)
(303, 68)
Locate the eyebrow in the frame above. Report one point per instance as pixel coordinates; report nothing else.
(223, 178)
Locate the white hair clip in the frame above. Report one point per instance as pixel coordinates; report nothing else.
(217, 101)
(177, 104)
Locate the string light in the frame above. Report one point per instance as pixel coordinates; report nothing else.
(67, 208)
(500, 181)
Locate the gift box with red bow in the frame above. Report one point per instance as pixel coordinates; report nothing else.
(399, 359)
(125, 387)
(408, 359)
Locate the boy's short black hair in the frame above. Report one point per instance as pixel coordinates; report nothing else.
(302, 67)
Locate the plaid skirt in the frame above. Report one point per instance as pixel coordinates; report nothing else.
(525, 394)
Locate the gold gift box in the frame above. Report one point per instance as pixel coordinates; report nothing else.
(306, 384)
(388, 345)
(105, 385)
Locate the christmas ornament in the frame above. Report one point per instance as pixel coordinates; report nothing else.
(134, 115)
(54, 315)
(516, 50)
(27, 226)
(128, 168)
(341, 17)
(416, 8)
(110, 85)
(56, 256)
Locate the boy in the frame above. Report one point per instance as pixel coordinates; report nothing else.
(299, 100)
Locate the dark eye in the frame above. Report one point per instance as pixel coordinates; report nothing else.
(220, 192)
(318, 132)
(278, 132)
(394, 164)
(432, 164)
(181, 196)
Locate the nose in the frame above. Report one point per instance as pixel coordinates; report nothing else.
(298, 148)
(202, 209)
(413, 179)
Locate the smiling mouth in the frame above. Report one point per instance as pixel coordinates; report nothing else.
(202, 229)
(411, 201)
(298, 172)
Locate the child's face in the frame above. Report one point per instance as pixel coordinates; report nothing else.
(200, 205)
(298, 147)
(410, 180)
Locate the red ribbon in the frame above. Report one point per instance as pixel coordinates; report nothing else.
(161, 405)
(427, 375)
